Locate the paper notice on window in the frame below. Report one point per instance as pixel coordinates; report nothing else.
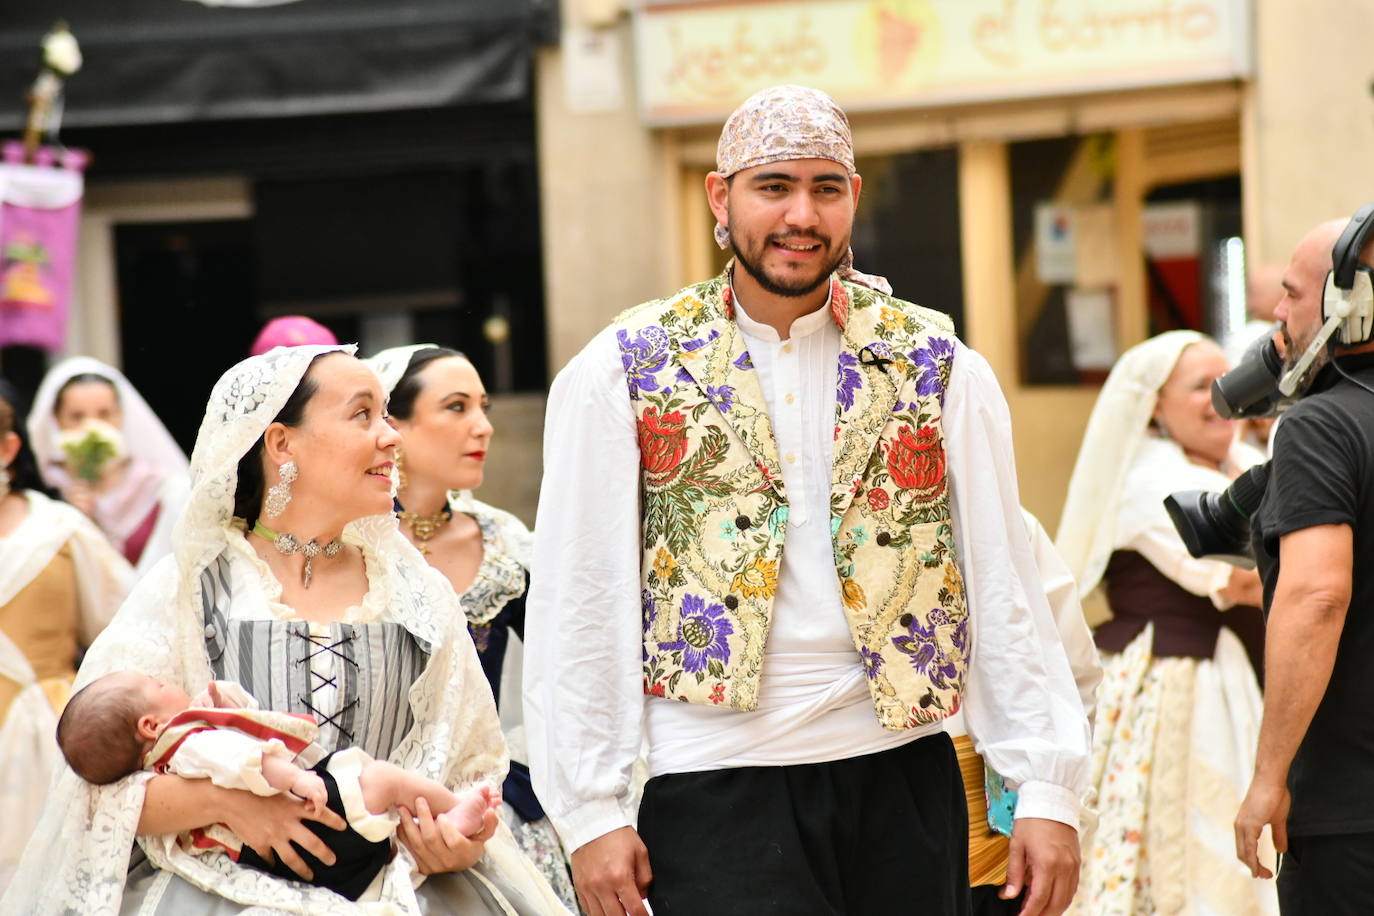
(1056, 258)
(1095, 237)
(1092, 332)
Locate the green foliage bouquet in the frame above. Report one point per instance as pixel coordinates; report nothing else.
(90, 448)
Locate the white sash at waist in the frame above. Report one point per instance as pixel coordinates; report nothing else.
(813, 707)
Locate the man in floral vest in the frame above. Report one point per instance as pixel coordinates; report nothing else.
(779, 542)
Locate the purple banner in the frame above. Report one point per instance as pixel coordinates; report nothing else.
(40, 209)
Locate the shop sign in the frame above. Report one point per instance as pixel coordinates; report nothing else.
(697, 60)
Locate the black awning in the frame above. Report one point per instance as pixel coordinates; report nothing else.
(158, 61)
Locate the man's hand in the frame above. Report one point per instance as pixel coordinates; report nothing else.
(1267, 802)
(1044, 857)
(611, 874)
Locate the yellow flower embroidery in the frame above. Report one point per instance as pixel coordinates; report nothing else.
(953, 584)
(687, 308)
(892, 319)
(854, 597)
(757, 580)
(664, 564)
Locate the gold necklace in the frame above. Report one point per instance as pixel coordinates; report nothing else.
(288, 544)
(425, 527)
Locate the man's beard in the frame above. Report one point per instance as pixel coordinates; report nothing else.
(794, 290)
(1292, 353)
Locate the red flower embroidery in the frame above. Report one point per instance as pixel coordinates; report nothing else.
(728, 299)
(718, 694)
(656, 690)
(877, 499)
(916, 462)
(662, 442)
(839, 304)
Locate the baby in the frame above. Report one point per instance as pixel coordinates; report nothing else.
(126, 721)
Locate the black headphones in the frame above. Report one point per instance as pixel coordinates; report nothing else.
(1347, 300)
(1349, 290)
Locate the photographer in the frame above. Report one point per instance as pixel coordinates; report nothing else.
(1314, 541)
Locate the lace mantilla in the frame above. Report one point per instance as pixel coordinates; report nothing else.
(506, 549)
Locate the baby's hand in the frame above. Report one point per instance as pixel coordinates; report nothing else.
(210, 697)
(310, 787)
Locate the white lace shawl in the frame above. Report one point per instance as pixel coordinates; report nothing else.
(507, 547)
(78, 857)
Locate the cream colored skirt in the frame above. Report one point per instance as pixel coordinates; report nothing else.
(1173, 754)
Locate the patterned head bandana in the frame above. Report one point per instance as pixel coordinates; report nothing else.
(789, 122)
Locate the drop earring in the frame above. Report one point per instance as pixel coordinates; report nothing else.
(5, 478)
(400, 470)
(279, 496)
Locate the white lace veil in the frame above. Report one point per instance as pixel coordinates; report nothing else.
(1118, 426)
(390, 364)
(144, 433)
(243, 403)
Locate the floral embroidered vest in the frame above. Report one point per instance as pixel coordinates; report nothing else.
(714, 508)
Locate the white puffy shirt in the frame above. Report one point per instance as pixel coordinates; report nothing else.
(586, 715)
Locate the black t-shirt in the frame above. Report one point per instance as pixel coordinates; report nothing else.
(1323, 474)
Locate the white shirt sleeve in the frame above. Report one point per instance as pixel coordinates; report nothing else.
(1061, 591)
(583, 684)
(228, 758)
(1021, 705)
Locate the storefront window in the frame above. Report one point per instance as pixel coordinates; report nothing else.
(1065, 267)
(1069, 257)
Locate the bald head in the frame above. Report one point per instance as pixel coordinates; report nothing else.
(1300, 309)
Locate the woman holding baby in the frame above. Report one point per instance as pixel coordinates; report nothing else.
(289, 576)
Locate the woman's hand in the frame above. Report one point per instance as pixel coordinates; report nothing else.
(437, 845)
(80, 494)
(270, 824)
(1244, 587)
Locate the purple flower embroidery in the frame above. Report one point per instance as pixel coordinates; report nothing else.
(848, 380)
(701, 634)
(744, 361)
(873, 662)
(923, 646)
(646, 607)
(699, 342)
(682, 375)
(933, 364)
(641, 357)
(723, 397)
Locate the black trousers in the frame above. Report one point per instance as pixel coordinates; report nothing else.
(1328, 876)
(358, 859)
(885, 833)
(987, 903)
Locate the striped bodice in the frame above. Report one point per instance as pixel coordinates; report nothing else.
(354, 678)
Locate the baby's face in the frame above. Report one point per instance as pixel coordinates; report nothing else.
(165, 700)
